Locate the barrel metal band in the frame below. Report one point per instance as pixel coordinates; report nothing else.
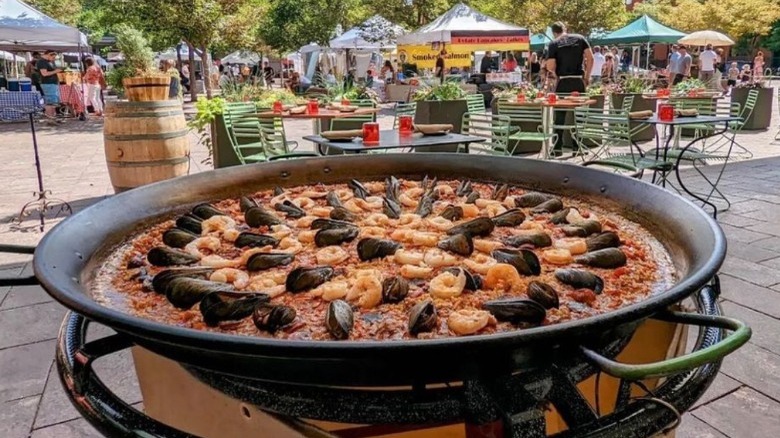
(147, 114)
(148, 85)
(136, 137)
(166, 162)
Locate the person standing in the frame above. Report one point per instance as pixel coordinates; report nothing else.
(720, 69)
(535, 68)
(510, 63)
(268, 75)
(673, 65)
(570, 60)
(758, 66)
(95, 81)
(733, 75)
(50, 83)
(31, 71)
(440, 66)
(598, 65)
(683, 66)
(608, 70)
(486, 64)
(707, 60)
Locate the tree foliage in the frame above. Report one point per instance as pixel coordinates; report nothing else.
(64, 11)
(290, 24)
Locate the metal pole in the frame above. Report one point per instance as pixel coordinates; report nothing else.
(647, 64)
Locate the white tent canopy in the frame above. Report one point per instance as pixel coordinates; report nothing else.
(375, 33)
(24, 28)
(243, 57)
(460, 18)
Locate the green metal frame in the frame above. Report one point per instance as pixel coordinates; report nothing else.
(350, 121)
(527, 114)
(476, 103)
(496, 129)
(244, 131)
(404, 109)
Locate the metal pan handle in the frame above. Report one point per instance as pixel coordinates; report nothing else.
(740, 335)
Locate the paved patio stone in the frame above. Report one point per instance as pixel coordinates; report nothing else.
(765, 328)
(742, 414)
(756, 367)
(749, 295)
(29, 324)
(743, 235)
(750, 252)
(722, 386)
(16, 417)
(72, 429)
(751, 272)
(23, 370)
(736, 220)
(692, 427)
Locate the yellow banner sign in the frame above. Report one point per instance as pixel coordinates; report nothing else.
(425, 57)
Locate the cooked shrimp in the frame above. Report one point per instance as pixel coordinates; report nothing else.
(252, 251)
(305, 222)
(531, 226)
(469, 210)
(414, 193)
(374, 186)
(367, 290)
(306, 236)
(279, 199)
(345, 194)
(313, 194)
(215, 261)
(407, 200)
(237, 277)
(288, 244)
(412, 272)
(406, 257)
(210, 243)
(331, 255)
(352, 205)
(368, 204)
(332, 290)
(502, 276)
(574, 246)
(376, 220)
(425, 239)
(486, 246)
(575, 217)
(558, 256)
(479, 263)
(230, 235)
(446, 285)
(217, 224)
(509, 202)
(402, 235)
(445, 190)
(469, 321)
(410, 220)
(436, 258)
(482, 202)
(280, 231)
(321, 211)
(267, 284)
(439, 223)
(304, 202)
(375, 232)
(494, 210)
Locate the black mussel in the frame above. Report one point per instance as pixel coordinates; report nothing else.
(254, 240)
(290, 209)
(543, 294)
(464, 188)
(185, 292)
(560, 217)
(335, 236)
(178, 237)
(217, 307)
(608, 258)
(339, 319)
(190, 222)
(391, 208)
(580, 279)
(472, 197)
(460, 244)
(531, 199)
(164, 256)
(538, 240)
(479, 227)
(303, 279)
(422, 317)
(330, 224)
(509, 218)
(574, 231)
(342, 214)
(370, 248)
(473, 281)
(245, 203)
(333, 199)
(278, 191)
(358, 189)
(162, 280)
(258, 217)
(500, 191)
(392, 188)
(425, 206)
(516, 310)
(452, 213)
(205, 211)
(550, 206)
(582, 229)
(394, 289)
(525, 261)
(267, 260)
(607, 239)
(273, 317)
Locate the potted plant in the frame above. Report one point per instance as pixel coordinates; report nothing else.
(142, 81)
(598, 93)
(634, 86)
(444, 103)
(761, 116)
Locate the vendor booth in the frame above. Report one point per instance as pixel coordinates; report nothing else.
(642, 31)
(375, 34)
(25, 29)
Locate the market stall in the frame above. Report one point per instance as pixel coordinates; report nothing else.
(24, 28)
(642, 31)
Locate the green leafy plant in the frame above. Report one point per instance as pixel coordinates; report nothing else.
(689, 85)
(596, 90)
(445, 91)
(634, 85)
(287, 97)
(528, 90)
(115, 76)
(139, 57)
(207, 112)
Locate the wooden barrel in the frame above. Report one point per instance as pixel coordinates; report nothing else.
(146, 88)
(145, 142)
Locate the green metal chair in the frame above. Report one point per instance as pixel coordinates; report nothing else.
(528, 115)
(608, 134)
(476, 103)
(496, 130)
(348, 123)
(278, 139)
(404, 109)
(245, 134)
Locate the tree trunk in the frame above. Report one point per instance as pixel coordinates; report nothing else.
(191, 57)
(204, 59)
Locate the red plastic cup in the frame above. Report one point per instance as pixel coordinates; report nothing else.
(552, 98)
(539, 95)
(520, 97)
(278, 107)
(664, 92)
(405, 124)
(666, 112)
(313, 107)
(371, 133)
(345, 102)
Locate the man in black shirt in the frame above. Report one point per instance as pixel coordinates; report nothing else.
(570, 60)
(268, 74)
(486, 65)
(49, 82)
(440, 66)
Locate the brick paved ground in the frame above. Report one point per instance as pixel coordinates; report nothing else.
(743, 402)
